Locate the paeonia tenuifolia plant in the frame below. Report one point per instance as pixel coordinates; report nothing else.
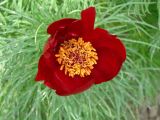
(77, 55)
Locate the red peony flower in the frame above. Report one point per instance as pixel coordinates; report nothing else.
(76, 55)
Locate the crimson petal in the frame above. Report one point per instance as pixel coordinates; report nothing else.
(101, 38)
(49, 71)
(74, 30)
(41, 73)
(88, 18)
(108, 65)
(53, 27)
(50, 44)
(71, 85)
(46, 70)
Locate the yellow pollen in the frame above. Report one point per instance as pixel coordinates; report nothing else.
(77, 57)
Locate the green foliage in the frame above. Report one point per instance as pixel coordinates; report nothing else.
(23, 25)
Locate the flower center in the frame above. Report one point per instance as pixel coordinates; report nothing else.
(77, 57)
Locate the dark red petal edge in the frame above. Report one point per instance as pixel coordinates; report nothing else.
(108, 65)
(71, 85)
(88, 18)
(46, 70)
(101, 38)
(40, 74)
(111, 53)
(53, 27)
(74, 30)
(49, 71)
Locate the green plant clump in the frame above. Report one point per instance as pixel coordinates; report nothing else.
(23, 25)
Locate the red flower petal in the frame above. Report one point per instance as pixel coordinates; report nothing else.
(74, 30)
(83, 27)
(53, 27)
(101, 38)
(46, 58)
(55, 40)
(71, 85)
(40, 74)
(49, 71)
(50, 44)
(46, 70)
(108, 65)
(88, 18)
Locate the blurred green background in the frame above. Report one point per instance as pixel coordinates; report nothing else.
(23, 25)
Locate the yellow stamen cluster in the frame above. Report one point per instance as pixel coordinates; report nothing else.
(77, 57)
